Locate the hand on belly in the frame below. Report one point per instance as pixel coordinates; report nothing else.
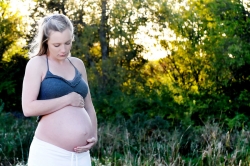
(90, 143)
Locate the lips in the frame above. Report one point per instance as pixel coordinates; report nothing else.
(63, 55)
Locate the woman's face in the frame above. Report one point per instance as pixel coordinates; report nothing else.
(59, 44)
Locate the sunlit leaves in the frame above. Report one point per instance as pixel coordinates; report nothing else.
(209, 48)
(11, 27)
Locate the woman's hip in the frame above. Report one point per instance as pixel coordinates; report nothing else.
(42, 153)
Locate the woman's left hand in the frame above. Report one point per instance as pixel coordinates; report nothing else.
(90, 143)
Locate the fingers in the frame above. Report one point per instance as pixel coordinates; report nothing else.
(81, 101)
(91, 143)
(91, 140)
(76, 100)
(81, 104)
(81, 149)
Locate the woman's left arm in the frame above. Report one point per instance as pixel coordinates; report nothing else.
(88, 104)
(92, 114)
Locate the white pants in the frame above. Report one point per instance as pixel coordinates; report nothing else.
(45, 154)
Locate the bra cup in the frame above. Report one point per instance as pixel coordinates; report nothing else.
(54, 86)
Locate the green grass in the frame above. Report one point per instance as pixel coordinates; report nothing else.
(140, 142)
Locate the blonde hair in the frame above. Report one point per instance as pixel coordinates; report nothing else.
(55, 22)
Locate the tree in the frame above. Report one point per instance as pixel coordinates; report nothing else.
(207, 57)
(12, 67)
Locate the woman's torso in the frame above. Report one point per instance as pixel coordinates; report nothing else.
(70, 126)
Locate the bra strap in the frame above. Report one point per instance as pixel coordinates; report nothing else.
(72, 64)
(47, 62)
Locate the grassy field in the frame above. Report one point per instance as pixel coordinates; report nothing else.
(140, 142)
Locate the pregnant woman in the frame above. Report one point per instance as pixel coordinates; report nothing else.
(55, 88)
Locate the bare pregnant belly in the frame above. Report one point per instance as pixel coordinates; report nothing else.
(66, 128)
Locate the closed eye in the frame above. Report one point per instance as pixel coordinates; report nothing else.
(57, 45)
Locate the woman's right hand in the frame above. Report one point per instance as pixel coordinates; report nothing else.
(76, 99)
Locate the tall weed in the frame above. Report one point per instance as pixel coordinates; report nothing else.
(16, 133)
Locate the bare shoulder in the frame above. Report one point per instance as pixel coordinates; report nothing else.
(37, 60)
(37, 63)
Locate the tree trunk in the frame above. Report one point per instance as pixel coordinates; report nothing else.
(103, 31)
(104, 43)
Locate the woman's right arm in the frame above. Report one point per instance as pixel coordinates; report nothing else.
(31, 86)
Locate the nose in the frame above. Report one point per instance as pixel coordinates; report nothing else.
(63, 48)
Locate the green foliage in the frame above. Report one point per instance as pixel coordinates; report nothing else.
(207, 69)
(12, 64)
(205, 75)
(11, 76)
(1, 105)
(11, 28)
(238, 122)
